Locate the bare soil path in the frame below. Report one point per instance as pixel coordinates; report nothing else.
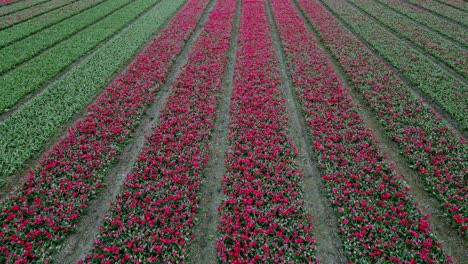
(77, 245)
(455, 245)
(203, 248)
(329, 242)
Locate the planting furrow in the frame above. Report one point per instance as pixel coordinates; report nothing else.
(418, 37)
(451, 30)
(329, 243)
(76, 246)
(33, 74)
(262, 214)
(445, 89)
(203, 248)
(447, 12)
(45, 208)
(5, 2)
(377, 218)
(153, 215)
(458, 4)
(24, 15)
(430, 147)
(454, 245)
(19, 5)
(19, 53)
(27, 130)
(30, 27)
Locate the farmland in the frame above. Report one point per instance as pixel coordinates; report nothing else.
(233, 131)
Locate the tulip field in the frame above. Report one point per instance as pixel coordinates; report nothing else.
(233, 131)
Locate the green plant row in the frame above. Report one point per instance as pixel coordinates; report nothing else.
(28, 129)
(31, 46)
(449, 12)
(35, 73)
(26, 14)
(457, 4)
(18, 6)
(444, 89)
(444, 50)
(27, 28)
(444, 27)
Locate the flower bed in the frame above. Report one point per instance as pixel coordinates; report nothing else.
(441, 9)
(430, 42)
(34, 25)
(153, 216)
(262, 215)
(430, 147)
(439, 24)
(22, 15)
(377, 219)
(46, 207)
(421, 72)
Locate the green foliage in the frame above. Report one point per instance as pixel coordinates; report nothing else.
(36, 72)
(434, 81)
(20, 5)
(29, 27)
(26, 14)
(29, 47)
(430, 42)
(27, 130)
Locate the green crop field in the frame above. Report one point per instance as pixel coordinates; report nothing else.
(233, 131)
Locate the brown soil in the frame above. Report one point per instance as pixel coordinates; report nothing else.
(77, 245)
(33, 163)
(203, 248)
(329, 241)
(393, 32)
(27, 98)
(417, 93)
(447, 37)
(453, 243)
(435, 14)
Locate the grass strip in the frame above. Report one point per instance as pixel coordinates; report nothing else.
(27, 28)
(29, 47)
(457, 4)
(35, 73)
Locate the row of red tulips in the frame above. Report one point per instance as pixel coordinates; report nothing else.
(3, 2)
(262, 215)
(46, 207)
(430, 146)
(152, 217)
(378, 220)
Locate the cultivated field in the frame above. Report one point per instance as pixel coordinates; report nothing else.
(233, 131)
